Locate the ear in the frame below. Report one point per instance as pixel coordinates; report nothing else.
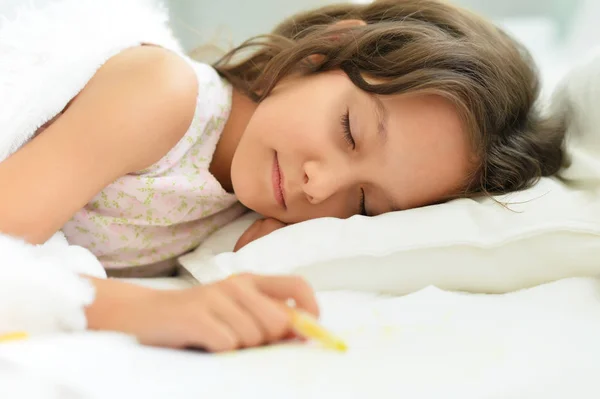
(344, 23)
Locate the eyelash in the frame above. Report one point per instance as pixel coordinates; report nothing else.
(347, 132)
(350, 140)
(363, 209)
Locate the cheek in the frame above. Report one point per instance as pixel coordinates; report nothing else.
(437, 175)
(290, 122)
(301, 116)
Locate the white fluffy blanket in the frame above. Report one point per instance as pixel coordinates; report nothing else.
(47, 55)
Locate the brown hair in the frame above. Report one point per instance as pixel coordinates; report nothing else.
(430, 46)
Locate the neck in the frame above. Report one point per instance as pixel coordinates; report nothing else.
(242, 108)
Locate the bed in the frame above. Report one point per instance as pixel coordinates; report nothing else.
(416, 335)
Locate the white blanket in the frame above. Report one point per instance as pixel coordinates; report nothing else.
(47, 55)
(540, 343)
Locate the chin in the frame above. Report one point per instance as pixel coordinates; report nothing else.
(247, 191)
(255, 206)
(244, 196)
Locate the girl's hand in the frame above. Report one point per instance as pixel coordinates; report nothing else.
(242, 311)
(258, 229)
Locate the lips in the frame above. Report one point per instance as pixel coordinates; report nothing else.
(277, 179)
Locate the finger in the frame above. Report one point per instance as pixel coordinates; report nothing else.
(293, 335)
(272, 316)
(213, 335)
(258, 229)
(269, 225)
(288, 287)
(242, 323)
(248, 236)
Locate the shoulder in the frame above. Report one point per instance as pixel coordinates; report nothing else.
(165, 69)
(156, 76)
(151, 94)
(135, 108)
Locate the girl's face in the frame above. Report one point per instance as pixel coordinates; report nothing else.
(318, 146)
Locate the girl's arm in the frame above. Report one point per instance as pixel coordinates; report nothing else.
(242, 311)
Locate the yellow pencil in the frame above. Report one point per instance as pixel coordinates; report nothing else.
(15, 336)
(306, 326)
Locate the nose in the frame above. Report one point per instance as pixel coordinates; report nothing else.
(322, 181)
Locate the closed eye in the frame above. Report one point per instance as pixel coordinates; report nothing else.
(346, 130)
(363, 208)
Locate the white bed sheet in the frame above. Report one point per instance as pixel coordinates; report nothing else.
(538, 343)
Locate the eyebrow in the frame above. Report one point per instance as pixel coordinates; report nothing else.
(382, 117)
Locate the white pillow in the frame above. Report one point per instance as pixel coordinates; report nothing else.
(550, 232)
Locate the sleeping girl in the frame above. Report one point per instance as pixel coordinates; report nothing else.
(345, 110)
